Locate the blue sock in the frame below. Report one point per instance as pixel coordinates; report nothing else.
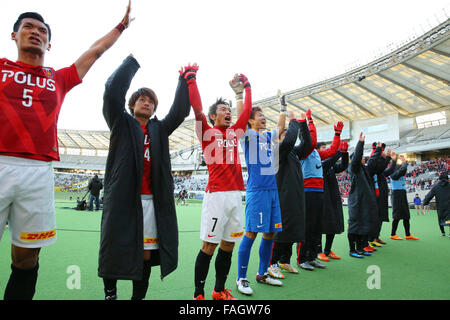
(265, 252)
(243, 256)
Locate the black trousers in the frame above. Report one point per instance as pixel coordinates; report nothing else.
(405, 224)
(282, 252)
(329, 238)
(357, 242)
(314, 206)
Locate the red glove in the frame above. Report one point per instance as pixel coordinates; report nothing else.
(344, 146)
(308, 116)
(338, 128)
(244, 80)
(189, 72)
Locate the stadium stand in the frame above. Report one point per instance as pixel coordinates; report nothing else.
(401, 98)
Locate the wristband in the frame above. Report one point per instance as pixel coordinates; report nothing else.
(240, 96)
(283, 108)
(120, 27)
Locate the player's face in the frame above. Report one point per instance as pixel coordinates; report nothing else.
(322, 147)
(222, 118)
(143, 107)
(259, 121)
(363, 161)
(32, 36)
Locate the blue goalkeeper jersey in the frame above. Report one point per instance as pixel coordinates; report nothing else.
(259, 155)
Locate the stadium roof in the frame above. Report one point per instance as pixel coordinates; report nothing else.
(412, 80)
(79, 139)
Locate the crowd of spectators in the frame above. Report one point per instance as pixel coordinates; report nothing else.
(421, 176)
(190, 183)
(68, 181)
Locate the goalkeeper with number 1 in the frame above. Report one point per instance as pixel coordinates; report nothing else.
(262, 211)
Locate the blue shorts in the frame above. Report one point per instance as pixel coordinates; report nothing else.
(262, 211)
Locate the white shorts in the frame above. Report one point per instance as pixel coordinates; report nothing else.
(27, 201)
(150, 231)
(222, 217)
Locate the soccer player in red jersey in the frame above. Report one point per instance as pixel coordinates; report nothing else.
(31, 96)
(222, 205)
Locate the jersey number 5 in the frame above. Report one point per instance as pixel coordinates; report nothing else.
(27, 98)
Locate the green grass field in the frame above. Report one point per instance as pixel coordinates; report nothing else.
(407, 269)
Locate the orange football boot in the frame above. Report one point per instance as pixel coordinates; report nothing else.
(223, 295)
(322, 257)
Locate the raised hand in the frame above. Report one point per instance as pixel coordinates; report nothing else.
(237, 86)
(282, 100)
(244, 80)
(338, 128)
(189, 72)
(344, 147)
(309, 116)
(361, 137)
(394, 156)
(126, 19)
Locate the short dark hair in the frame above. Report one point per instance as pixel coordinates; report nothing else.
(213, 108)
(142, 92)
(32, 15)
(252, 114)
(319, 144)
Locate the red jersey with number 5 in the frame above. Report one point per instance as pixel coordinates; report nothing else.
(30, 102)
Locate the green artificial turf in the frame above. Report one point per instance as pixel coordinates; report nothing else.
(405, 269)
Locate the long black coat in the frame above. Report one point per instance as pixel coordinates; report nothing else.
(290, 183)
(381, 173)
(399, 200)
(121, 244)
(332, 219)
(442, 193)
(362, 200)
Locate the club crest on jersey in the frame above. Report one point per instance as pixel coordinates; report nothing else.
(48, 72)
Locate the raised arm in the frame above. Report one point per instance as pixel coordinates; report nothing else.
(400, 172)
(303, 150)
(87, 59)
(331, 161)
(290, 138)
(389, 170)
(238, 88)
(181, 104)
(313, 134)
(430, 195)
(244, 116)
(201, 124)
(355, 164)
(331, 151)
(374, 159)
(116, 88)
(343, 164)
(283, 111)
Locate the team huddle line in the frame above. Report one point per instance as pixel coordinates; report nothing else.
(292, 195)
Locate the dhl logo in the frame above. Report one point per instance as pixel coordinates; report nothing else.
(150, 240)
(278, 225)
(236, 234)
(34, 236)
